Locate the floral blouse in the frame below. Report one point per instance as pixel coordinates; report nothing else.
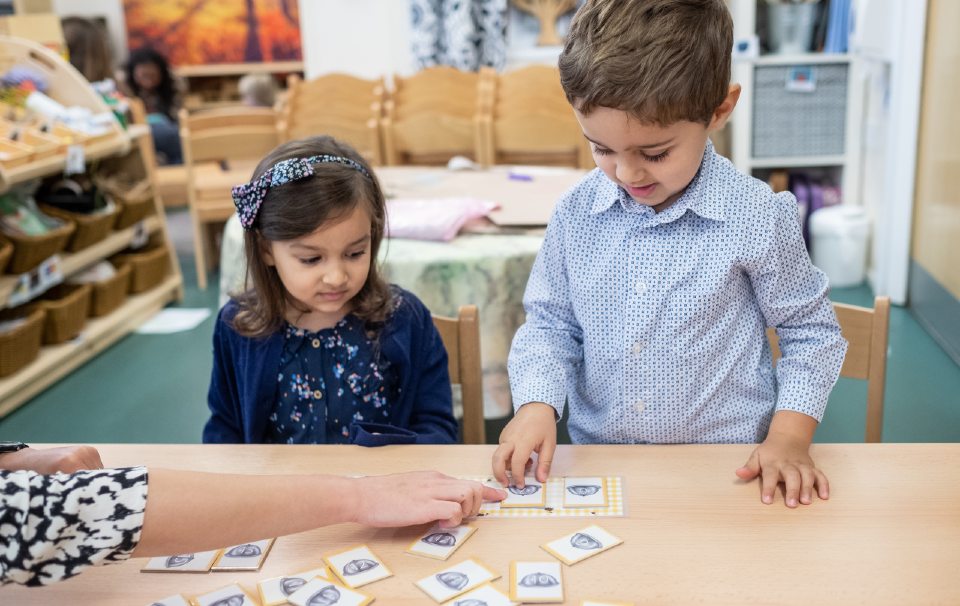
(329, 379)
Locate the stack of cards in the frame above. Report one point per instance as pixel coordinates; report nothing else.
(440, 543)
(455, 580)
(275, 591)
(248, 556)
(321, 592)
(536, 582)
(231, 595)
(578, 546)
(357, 566)
(184, 562)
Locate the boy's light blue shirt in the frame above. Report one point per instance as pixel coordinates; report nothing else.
(652, 325)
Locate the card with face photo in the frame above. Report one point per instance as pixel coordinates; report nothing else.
(454, 580)
(440, 543)
(231, 595)
(320, 592)
(578, 546)
(536, 582)
(357, 566)
(533, 494)
(275, 591)
(487, 595)
(174, 600)
(584, 492)
(246, 556)
(184, 562)
(604, 603)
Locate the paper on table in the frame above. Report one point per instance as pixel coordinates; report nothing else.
(175, 319)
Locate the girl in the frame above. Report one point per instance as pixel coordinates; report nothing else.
(147, 76)
(320, 349)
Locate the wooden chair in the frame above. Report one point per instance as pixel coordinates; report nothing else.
(338, 105)
(461, 337)
(525, 119)
(431, 117)
(866, 332)
(220, 149)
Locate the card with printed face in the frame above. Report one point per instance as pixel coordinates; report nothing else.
(533, 494)
(320, 592)
(485, 595)
(231, 595)
(357, 566)
(184, 562)
(536, 582)
(584, 492)
(451, 582)
(174, 600)
(581, 545)
(440, 543)
(275, 591)
(247, 556)
(604, 603)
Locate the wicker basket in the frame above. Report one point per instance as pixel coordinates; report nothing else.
(67, 307)
(135, 202)
(20, 346)
(149, 267)
(91, 228)
(111, 293)
(30, 251)
(6, 251)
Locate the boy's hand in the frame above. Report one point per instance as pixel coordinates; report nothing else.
(783, 457)
(532, 429)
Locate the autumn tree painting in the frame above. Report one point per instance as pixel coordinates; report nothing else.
(198, 32)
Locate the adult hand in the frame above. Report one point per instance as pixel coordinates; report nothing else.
(64, 459)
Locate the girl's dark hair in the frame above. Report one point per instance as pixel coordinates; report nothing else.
(166, 93)
(298, 208)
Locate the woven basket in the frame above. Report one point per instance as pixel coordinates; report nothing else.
(6, 251)
(149, 267)
(20, 346)
(67, 307)
(30, 251)
(91, 228)
(135, 202)
(111, 293)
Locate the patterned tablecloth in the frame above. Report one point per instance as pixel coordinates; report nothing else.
(489, 270)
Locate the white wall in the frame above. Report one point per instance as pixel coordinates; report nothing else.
(112, 10)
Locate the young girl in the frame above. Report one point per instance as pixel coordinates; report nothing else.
(320, 349)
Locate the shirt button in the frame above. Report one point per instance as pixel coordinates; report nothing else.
(317, 394)
(637, 347)
(639, 406)
(316, 343)
(640, 287)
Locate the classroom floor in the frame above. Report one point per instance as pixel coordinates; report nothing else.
(152, 388)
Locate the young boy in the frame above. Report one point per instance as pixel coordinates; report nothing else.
(647, 305)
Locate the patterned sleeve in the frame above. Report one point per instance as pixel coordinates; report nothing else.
(52, 527)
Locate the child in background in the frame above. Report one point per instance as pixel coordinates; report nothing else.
(648, 303)
(147, 76)
(320, 349)
(257, 90)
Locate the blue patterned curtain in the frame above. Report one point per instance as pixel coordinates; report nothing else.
(466, 34)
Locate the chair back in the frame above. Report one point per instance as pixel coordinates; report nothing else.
(461, 338)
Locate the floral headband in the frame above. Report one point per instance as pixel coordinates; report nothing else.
(249, 196)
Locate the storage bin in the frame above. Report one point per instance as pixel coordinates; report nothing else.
(790, 123)
(91, 228)
(67, 307)
(13, 154)
(134, 202)
(31, 251)
(21, 345)
(148, 267)
(6, 251)
(838, 243)
(110, 294)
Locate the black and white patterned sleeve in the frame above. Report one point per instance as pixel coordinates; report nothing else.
(52, 527)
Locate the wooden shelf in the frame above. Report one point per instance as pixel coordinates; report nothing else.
(238, 69)
(797, 59)
(72, 263)
(56, 164)
(57, 361)
(798, 161)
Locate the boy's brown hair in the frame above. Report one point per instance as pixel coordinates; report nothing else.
(661, 61)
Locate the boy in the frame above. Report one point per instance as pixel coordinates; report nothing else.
(647, 305)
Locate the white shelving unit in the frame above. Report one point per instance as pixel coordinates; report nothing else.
(845, 165)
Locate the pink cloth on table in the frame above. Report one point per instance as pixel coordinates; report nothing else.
(435, 218)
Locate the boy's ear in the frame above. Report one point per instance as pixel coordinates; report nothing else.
(723, 111)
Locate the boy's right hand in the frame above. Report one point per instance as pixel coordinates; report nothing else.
(532, 429)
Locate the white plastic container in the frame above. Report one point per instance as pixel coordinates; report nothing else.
(838, 242)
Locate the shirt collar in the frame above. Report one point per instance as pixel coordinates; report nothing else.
(702, 196)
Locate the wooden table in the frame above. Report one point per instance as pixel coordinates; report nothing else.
(890, 534)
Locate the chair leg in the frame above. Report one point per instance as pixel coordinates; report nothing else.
(199, 253)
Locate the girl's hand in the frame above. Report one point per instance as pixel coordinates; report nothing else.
(408, 499)
(532, 429)
(785, 458)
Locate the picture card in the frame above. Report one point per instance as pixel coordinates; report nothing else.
(533, 494)
(485, 594)
(246, 556)
(174, 600)
(321, 592)
(440, 543)
(585, 492)
(275, 591)
(231, 595)
(454, 580)
(536, 582)
(580, 545)
(357, 566)
(184, 562)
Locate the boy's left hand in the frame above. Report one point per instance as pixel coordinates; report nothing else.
(785, 458)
